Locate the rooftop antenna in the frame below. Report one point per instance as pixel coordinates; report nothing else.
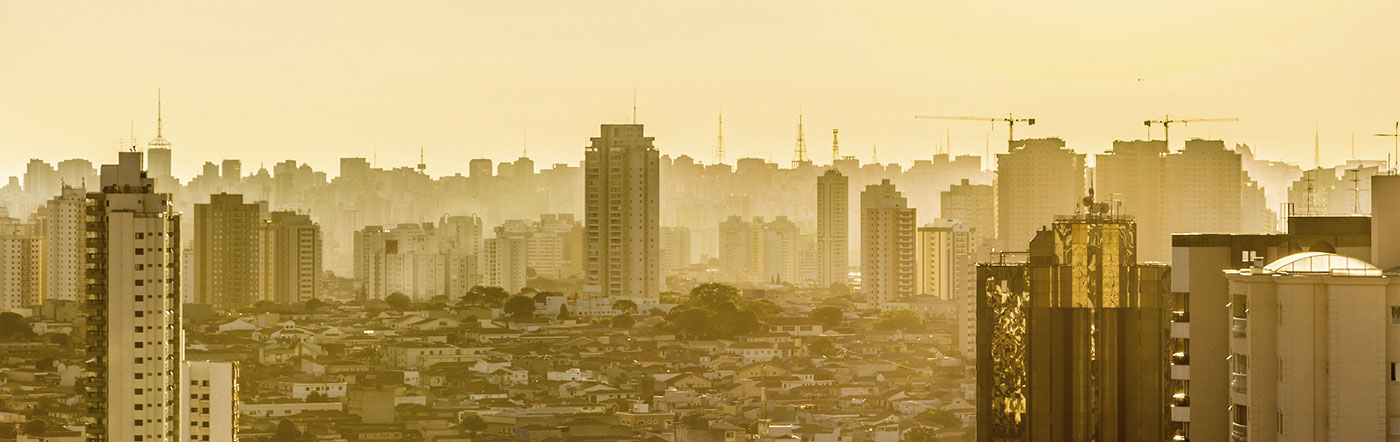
(634, 106)
(800, 153)
(1389, 158)
(987, 149)
(524, 142)
(948, 141)
(160, 123)
(874, 154)
(835, 147)
(1353, 145)
(133, 135)
(422, 165)
(719, 141)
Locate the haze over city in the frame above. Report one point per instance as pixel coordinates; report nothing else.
(260, 81)
(627, 221)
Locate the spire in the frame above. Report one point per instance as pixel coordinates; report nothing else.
(634, 106)
(422, 165)
(524, 142)
(874, 154)
(719, 141)
(159, 141)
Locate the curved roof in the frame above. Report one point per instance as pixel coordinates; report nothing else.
(159, 141)
(1325, 263)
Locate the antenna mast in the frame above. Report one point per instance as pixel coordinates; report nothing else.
(719, 141)
(634, 106)
(800, 154)
(835, 147)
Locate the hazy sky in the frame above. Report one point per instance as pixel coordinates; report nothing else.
(319, 80)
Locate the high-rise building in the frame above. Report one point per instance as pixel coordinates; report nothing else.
(1312, 351)
(1206, 185)
(1133, 178)
(40, 179)
(505, 260)
(887, 247)
(973, 205)
(1201, 330)
(833, 227)
(1038, 180)
(211, 412)
(227, 241)
(675, 247)
(291, 258)
(76, 172)
(479, 168)
(946, 268)
(418, 260)
(758, 252)
(622, 214)
(134, 347)
(1071, 345)
(21, 264)
(65, 231)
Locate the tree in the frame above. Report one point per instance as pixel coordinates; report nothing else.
(839, 290)
(36, 426)
(564, 311)
(13, 328)
(489, 296)
(286, 432)
(830, 317)
(623, 321)
(898, 320)
(822, 347)
(625, 306)
(921, 434)
(520, 306)
(712, 311)
(398, 301)
(316, 397)
(473, 424)
(313, 304)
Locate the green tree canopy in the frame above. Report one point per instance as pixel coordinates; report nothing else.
(898, 320)
(712, 311)
(830, 317)
(564, 312)
(520, 306)
(398, 301)
(623, 321)
(625, 306)
(286, 432)
(822, 347)
(489, 296)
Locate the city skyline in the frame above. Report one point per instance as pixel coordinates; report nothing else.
(398, 79)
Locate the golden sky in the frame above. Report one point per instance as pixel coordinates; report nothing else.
(314, 81)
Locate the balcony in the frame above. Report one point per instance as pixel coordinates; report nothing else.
(1238, 433)
(1181, 413)
(1181, 330)
(1238, 326)
(1181, 372)
(1239, 382)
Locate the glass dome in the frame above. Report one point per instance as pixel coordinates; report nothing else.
(1323, 263)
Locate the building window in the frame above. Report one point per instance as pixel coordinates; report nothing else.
(1395, 315)
(1394, 372)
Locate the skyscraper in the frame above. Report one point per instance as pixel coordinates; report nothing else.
(291, 259)
(946, 268)
(975, 206)
(64, 232)
(833, 227)
(622, 214)
(227, 253)
(1312, 352)
(887, 243)
(1036, 181)
(1071, 346)
(1207, 187)
(1133, 175)
(21, 264)
(134, 346)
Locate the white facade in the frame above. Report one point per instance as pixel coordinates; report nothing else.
(887, 244)
(211, 409)
(622, 219)
(833, 227)
(1314, 351)
(134, 339)
(63, 245)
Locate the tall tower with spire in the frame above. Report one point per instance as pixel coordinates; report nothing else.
(158, 154)
(799, 154)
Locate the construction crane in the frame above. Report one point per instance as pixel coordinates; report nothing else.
(1396, 136)
(1010, 121)
(1167, 122)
